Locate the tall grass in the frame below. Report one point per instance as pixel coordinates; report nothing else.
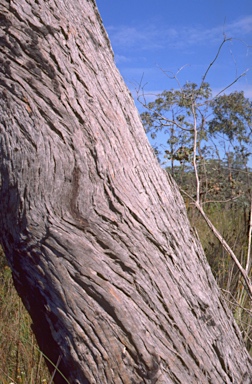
(21, 362)
(232, 223)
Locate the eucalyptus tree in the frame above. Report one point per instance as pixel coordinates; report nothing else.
(96, 233)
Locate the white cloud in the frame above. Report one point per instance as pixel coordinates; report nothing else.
(119, 59)
(134, 37)
(242, 26)
(152, 36)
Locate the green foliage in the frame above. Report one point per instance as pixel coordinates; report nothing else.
(21, 362)
(232, 116)
(224, 123)
(174, 107)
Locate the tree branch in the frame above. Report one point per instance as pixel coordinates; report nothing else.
(214, 60)
(248, 263)
(195, 154)
(223, 243)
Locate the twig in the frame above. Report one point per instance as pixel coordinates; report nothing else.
(221, 201)
(214, 60)
(195, 154)
(223, 243)
(233, 82)
(55, 369)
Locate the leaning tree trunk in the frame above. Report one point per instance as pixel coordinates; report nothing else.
(96, 233)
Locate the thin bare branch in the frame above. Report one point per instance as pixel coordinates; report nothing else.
(233, 82)
(195, 130)
(227, 248)
(221, 201)
(248, 263)
(214, 60)
(223, 242)
(173, 122)
(174, 76)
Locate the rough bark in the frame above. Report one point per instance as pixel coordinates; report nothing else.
(96, 234)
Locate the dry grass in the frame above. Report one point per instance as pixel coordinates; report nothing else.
(233, 225)
(21, 362)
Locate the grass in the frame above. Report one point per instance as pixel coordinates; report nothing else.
(21, 362)
(232, 223)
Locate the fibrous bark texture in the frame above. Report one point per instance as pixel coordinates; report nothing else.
(96, 234)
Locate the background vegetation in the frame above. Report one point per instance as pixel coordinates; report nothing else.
(231, 216)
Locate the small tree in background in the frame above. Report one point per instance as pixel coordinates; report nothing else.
(171, 112)
(223, 135)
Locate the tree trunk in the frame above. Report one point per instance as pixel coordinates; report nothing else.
(96, 234)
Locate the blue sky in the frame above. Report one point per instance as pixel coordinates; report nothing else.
(149, 37)
(155, 39)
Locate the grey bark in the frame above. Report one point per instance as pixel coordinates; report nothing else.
(96, 234)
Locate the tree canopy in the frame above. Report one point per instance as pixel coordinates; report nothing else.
(223, 123)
